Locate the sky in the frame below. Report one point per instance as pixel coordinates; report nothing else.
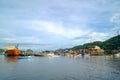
(54, 24)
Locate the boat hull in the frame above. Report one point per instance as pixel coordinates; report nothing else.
(14, 52)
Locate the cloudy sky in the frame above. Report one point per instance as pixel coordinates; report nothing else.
(53, 24)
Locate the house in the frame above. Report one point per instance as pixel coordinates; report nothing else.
(96, 50)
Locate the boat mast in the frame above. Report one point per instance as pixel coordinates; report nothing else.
(17, 46)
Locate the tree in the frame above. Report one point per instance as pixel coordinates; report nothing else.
(29, 51)
(1, 51)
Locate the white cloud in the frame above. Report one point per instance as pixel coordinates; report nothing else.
(92, 36)
(115, 18)
(116, 28)
(8, 37)
(19, 39)
(96, 36)
(58, 29)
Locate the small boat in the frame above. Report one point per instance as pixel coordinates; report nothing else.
(52, 55)
(12, 51)
(24, 57)
(39, 55)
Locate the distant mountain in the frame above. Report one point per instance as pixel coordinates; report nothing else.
(111, 44)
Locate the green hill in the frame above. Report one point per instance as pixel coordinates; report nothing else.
(111, 44)
(87, 45)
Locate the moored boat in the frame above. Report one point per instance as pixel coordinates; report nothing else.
(12, 51)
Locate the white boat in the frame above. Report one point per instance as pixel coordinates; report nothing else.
(52, 55)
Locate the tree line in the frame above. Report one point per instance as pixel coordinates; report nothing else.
(108, 46)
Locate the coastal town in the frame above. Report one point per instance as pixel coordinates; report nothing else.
(13, 51)
(93, 50)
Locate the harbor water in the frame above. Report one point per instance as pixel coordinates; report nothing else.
(60, 68)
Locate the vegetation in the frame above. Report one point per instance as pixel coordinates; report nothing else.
(112, 44)
(108, 45)
(88, 45)
(29, 50)
(1, 51)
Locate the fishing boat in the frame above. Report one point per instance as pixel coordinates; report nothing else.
(12, 51)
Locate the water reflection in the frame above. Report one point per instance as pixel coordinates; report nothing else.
(60, 68)
(117, 55)
(11, 59)
(8, 59)
(81, 57)
(109, 56)
(114, 56)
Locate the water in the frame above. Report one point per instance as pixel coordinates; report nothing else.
(60, 68)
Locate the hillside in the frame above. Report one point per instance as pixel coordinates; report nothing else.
(87, 45)
(111, 44)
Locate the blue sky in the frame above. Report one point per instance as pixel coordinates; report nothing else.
(53, 24)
